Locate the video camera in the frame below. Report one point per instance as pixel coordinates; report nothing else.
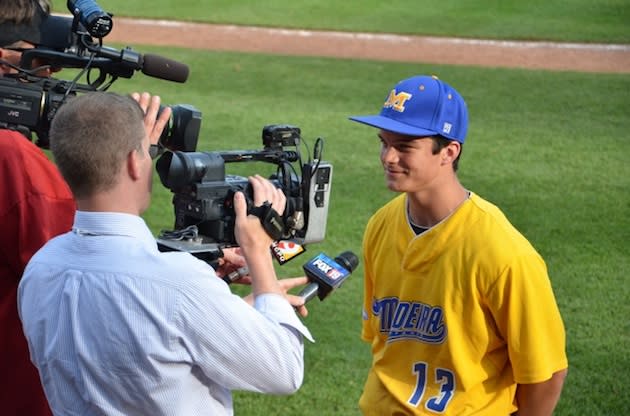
(203, 192)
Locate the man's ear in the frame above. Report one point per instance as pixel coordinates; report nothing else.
(133, 165)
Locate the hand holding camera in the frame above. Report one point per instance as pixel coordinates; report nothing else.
(249, 230)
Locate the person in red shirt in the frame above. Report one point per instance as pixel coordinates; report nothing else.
(35, 205)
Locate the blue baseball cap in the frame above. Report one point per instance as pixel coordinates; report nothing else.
(422, 106)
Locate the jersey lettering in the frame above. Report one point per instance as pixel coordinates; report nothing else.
(410, 320)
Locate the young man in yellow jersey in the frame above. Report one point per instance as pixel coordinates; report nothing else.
(458, 307)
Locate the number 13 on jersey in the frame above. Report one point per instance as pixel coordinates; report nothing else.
(444, 377)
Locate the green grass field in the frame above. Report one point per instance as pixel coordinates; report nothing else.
(550, 148)
(575, 20)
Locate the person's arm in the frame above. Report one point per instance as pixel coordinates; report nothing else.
(540, 399)
(261, 348)
(254, 240)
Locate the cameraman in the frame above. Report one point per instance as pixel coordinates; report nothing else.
(117, 327)
(35, 205)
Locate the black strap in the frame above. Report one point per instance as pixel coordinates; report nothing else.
(270, 219)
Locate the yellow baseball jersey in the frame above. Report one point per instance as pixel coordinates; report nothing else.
(455, 316)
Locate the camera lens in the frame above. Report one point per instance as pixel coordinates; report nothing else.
(180, 169)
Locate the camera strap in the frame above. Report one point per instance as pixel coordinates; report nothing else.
(270, 220)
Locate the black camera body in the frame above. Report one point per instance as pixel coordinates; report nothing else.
(30, 107)
(203, 193)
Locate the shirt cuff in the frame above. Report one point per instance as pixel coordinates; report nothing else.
(278, 309)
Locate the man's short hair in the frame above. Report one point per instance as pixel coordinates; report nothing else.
(91, 136)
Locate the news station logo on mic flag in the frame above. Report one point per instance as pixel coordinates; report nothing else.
(285, 250)
(325, 267)
(326, 274)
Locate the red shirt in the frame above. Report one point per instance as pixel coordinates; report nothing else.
(35, 205)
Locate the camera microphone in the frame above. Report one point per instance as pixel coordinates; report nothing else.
(127, 60)
(326, 274)
(159, 67)
(97, 22)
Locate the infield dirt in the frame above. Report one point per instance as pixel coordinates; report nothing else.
(602, 58)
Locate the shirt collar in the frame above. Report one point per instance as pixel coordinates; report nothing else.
(112, 224)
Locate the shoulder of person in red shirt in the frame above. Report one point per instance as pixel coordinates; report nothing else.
(36, 204)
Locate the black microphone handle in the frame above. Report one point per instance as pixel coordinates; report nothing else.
(309, 292)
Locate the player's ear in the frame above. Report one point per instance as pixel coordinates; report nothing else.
(450, 152)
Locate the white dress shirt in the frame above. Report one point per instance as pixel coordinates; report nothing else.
(116, 327)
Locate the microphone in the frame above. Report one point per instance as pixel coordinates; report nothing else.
(159, 67)
(97, 22)
(326, 274)
(152, 65)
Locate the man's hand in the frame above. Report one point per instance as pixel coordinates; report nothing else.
(248, 230)
(232, 261)
(296, 301)
(153, 125)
